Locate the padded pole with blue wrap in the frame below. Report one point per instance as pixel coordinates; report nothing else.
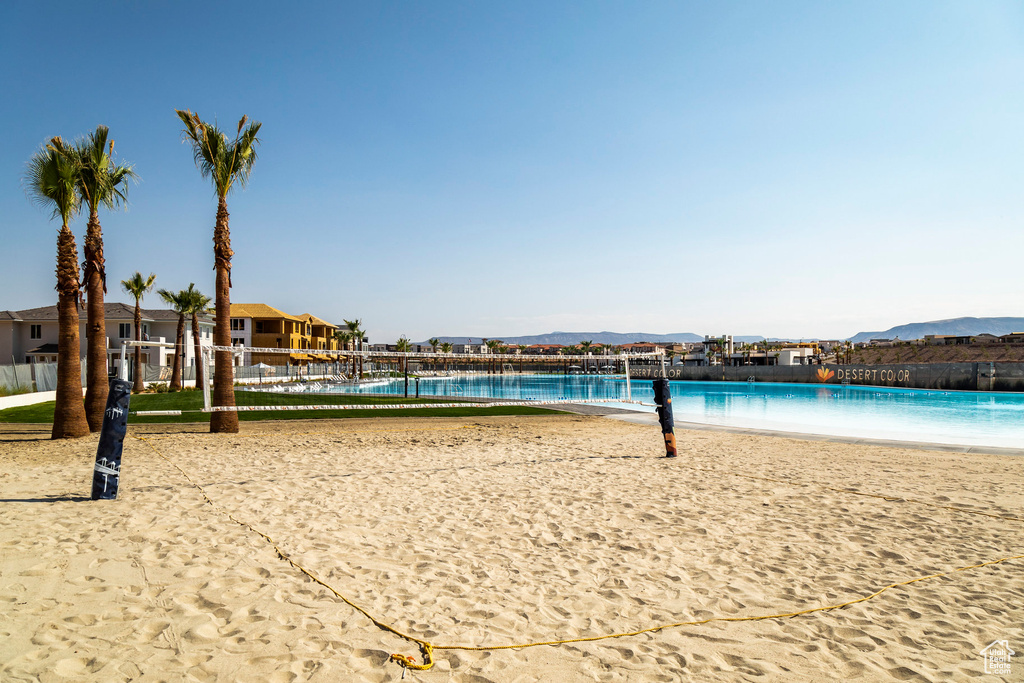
(107, 472)
(663, 398)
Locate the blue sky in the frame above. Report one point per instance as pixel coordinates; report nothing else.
(493, 169)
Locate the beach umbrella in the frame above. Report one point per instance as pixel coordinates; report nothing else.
(261, 367)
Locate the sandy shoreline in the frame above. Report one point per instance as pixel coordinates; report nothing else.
(500, 531)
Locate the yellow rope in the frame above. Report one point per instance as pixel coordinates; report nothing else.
(406, 661)
(427, 648)
(347, 431)
(705, 621)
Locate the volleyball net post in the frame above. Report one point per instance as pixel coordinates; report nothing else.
(106, 472)
(663, 399)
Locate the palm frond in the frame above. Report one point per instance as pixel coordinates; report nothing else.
(215, 156)
(101, 181)
(194, 300)
(137, 285)
(50, 180)
(244, 151)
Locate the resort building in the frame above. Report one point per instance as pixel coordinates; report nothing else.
(263, 326)
(544, 349)
(640, 347)
(470, 348)
(321, 333)
(30, 336)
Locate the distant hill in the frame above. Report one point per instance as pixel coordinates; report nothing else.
(613, 338)
(957, 326)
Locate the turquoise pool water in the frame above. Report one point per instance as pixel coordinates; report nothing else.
(954, 417)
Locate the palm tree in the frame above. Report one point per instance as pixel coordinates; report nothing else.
(137, 286)
(492, 348)
(360, 339)
(585, 347)
(196, 303)
(446, 347)
(179, 302)
(343, 339)
(402, 346)
(522, 348)
(50, 180)
(357, 336)
(226, 162)
(99, 182)
(434, 341)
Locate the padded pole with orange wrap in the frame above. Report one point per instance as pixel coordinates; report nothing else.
(663, 398)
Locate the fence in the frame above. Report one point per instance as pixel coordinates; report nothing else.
(31, 377)
(962, 376)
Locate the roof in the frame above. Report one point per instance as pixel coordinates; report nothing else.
(260, 311)
(45, 348)
(310, 318)
(111, 312)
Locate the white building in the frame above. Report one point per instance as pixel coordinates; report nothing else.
(31, 335)
(795, 356)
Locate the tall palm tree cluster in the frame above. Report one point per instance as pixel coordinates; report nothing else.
(69, 176)
(187, 302)
(65, 177)
(351, 338)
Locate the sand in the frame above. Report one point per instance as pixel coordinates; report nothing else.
(500, 531)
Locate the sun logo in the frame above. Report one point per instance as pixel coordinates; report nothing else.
(825, 374)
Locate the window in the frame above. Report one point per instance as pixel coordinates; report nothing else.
(237, 324)
(35, 332)
(235, 341)
(124, 330)
(258, 326)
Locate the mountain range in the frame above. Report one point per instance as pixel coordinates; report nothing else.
(957, 326)
(613, 338)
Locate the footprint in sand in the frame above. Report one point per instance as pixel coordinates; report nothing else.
(76, 667)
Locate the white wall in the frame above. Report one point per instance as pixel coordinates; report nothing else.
(793, 356)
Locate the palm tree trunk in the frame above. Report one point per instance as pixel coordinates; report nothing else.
(179, 351)
(200, 370)
(69, 412)
(223, 378)
(137, 384)
(96, 381)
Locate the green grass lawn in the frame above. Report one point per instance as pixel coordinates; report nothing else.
(42, 413)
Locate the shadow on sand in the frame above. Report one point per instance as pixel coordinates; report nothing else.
(62, 498)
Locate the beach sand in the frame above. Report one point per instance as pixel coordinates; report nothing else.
(503, 531)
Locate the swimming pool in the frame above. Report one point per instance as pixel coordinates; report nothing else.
(949, 417)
